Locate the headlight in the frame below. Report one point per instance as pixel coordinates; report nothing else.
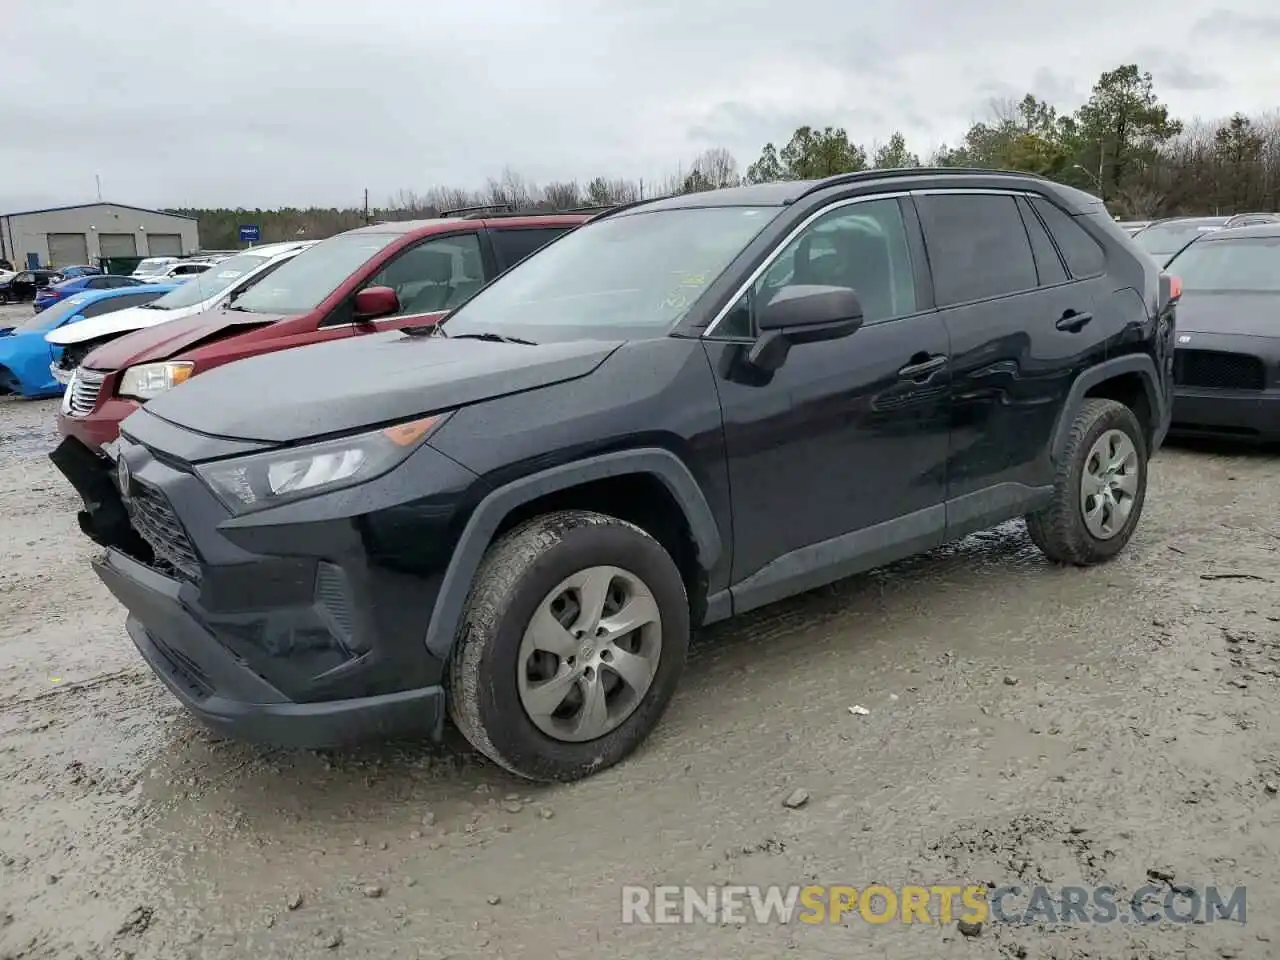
(152, 379)
(268, 479)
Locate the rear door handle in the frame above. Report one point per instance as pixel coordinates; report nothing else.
(1072, 321)
(923, 369)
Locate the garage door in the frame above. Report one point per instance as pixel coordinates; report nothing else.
(117, 245)
(68, 249)
(164, 245)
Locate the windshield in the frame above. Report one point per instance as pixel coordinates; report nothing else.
(209, 283)
(304, 282)
(1245, 266)
(626, 276)
(1166, 239)
(50, 318)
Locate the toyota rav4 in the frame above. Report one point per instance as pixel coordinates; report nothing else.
(684, 410)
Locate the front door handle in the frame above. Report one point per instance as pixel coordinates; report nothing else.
(922, 368)
(1072, 321)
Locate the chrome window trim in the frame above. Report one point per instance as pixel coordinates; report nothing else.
(768, 262)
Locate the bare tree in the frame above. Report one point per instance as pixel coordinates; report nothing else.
(563, 195)
(716, 168)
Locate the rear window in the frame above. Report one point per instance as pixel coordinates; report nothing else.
(1166, 239)
(1238, 266)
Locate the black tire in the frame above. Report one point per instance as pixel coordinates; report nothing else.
(515, 576)
(1059, 529)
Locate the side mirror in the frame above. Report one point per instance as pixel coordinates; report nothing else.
(374, 302)
(803, 314)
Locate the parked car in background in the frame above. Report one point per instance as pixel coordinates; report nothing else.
(683, 411)
(24, 285)
(1251, 219)
(50, 295)
(206, 291)
(1132, 226)
(179, 272)
(81, 270)
(1227, 362)
(153, 266)
(364, 281)
(1163, 238)
(26, 358)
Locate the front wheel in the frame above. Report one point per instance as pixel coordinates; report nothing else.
(571, 645)
(1099, 489)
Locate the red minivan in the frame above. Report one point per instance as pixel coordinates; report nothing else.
(372, 279)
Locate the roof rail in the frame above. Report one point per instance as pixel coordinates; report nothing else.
(463, 211)
(859, 176)
(620, 207)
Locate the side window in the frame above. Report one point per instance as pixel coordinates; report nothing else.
(512, 246)
(112, 304)
(435, 275)
(1084, 255)
(1048, 263)
(978, 247)
(860, 245)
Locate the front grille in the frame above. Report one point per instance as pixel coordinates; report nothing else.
(1214, 369)
(85, 388)
(156, 523)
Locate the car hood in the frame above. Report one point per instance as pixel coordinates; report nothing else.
(121, 321)
(347, 385)
(1243, 314)
(167, 339)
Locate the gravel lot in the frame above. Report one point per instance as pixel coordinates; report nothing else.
(1027, 725)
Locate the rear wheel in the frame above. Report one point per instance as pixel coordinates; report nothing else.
(572, 643)
(1099, 490)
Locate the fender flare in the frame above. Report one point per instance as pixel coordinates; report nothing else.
(489, 513)
(1138, 363)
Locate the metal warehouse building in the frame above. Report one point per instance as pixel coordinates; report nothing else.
(66, 236)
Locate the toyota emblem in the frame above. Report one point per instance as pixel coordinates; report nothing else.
(122, 474)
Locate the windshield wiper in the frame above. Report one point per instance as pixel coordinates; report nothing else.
(491, 338)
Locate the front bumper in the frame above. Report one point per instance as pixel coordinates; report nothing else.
(301, 625)
(227, 696)
(1252, 415)
(104, 519)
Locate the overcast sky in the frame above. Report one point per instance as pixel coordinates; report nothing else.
(298, 102)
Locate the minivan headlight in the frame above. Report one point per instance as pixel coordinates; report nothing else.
(262, 480)
(152, 379)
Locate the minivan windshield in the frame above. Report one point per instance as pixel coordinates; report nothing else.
(304, 282)
(1249, 265)
(209, 283)
(627, 276)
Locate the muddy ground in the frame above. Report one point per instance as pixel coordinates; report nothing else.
(1027, 725)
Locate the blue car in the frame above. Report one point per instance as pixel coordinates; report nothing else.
(48, 296)
(25, 357)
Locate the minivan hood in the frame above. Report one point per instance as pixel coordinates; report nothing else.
(345, 385)
(1246, 314)
(164, 340)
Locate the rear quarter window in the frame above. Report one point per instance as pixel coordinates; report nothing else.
(1084, 255)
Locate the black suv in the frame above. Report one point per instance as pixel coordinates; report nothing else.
(685, 409)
